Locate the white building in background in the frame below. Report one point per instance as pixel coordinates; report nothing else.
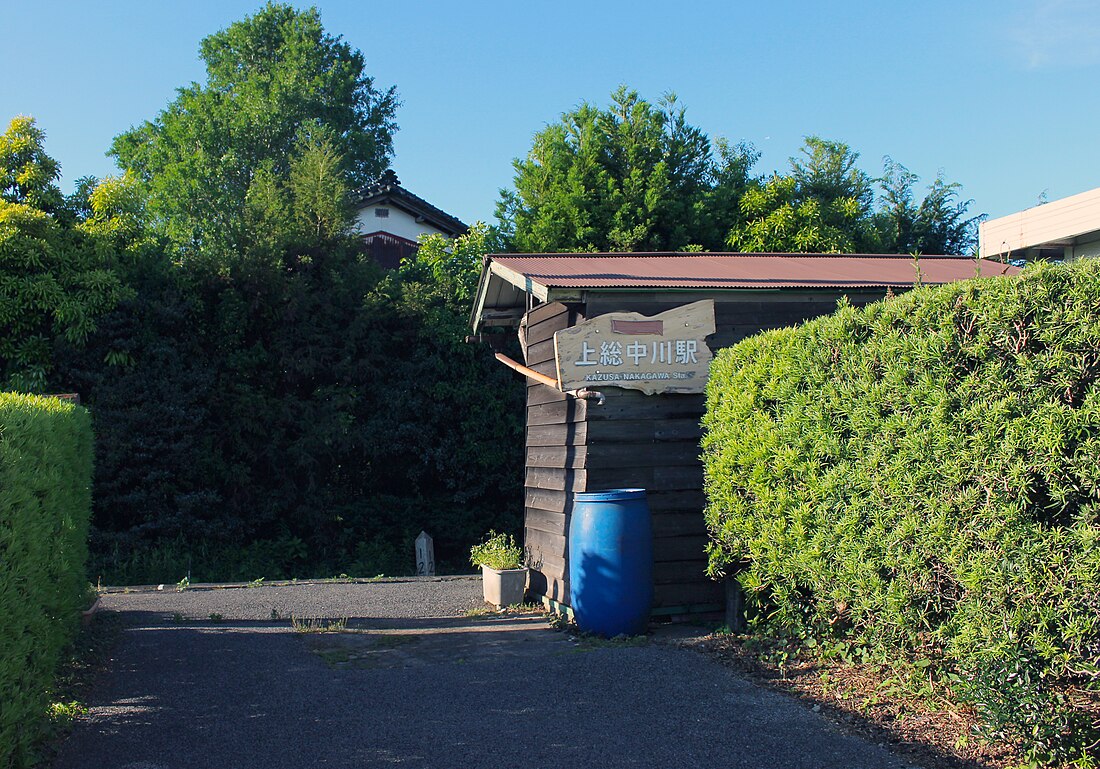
(1062, 229)
(391, 220)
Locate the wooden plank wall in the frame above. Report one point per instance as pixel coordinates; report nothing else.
(635, 441)
(556, 445)
(652, 442)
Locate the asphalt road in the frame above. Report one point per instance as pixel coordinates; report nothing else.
(414, 682)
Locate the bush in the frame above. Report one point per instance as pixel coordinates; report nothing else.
(920, 479)
(497, 551)
(45, 502)
(318, 411)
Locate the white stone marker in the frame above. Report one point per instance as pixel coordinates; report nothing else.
(425, 556)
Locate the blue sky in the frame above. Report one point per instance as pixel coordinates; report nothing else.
(999, 95)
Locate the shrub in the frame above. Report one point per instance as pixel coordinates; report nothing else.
(45, 502)
(318, 401)
(497, 551)
(920, 479)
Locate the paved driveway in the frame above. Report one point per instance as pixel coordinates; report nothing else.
(414, 682)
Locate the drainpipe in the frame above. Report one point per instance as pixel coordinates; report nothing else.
(584, 393)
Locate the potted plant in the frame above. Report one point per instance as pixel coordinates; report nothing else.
(503, 575)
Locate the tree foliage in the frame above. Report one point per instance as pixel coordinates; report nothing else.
(825, 203)
(454, 264)
(939, 224)
(266, 400)
(56, 277)
(822, 205)
(304, 413)
(28, 176)
(281, 94)
(638, 176)
(633, 176)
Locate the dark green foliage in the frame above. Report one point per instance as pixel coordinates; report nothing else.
(920, 479)
(305, 417)
(45, 478)
(632, 177)
(939, 224)
(638, 177)
(277, 86)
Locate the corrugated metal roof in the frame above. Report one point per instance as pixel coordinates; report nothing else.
(510, 282)
(743, 271)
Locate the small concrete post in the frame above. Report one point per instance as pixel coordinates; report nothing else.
(425, 555)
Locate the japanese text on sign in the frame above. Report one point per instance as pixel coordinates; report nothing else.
(661, 353)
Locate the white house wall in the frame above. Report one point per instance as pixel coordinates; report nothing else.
(398, 223)
(1068, 220)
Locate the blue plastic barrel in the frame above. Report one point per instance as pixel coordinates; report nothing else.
(611, 562)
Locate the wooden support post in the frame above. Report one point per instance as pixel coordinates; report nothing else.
(735, 606)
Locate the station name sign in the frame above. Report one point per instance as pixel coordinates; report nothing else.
(665, 353)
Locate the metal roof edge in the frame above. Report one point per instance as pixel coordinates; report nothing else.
(711, 254)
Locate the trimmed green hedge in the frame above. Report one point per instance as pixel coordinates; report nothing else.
(45, 502)
(919, 482)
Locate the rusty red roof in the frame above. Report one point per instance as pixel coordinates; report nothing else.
(510, 282)
(745, 271)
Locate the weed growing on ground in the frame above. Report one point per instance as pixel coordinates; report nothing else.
(64, 713)
(85, 658)
(589, 641)
(488, 610)
(318, 624)
(256, 582)
(481, 611)
(183, 584)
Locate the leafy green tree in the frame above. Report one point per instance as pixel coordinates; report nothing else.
(939, 224)
(55, 279)
(278, 88)
(307, 207)
(827, 171)
(633, 176)
(827, 204)
(28, 176)
(822, 205)
(454, 264)
(779, 218)
(318, 188)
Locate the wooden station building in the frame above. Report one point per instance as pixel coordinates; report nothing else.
(621, 407)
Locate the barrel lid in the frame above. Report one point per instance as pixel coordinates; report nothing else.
(610, 495)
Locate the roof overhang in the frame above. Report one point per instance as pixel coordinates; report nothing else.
(418, 208)
(512, 283)
(1051, 227)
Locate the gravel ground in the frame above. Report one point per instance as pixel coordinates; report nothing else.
(359, 602)
(417, 683)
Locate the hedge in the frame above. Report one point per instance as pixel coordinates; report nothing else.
(45, 503)
(919, 481)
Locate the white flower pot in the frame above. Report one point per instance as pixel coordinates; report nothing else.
(503, 587)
